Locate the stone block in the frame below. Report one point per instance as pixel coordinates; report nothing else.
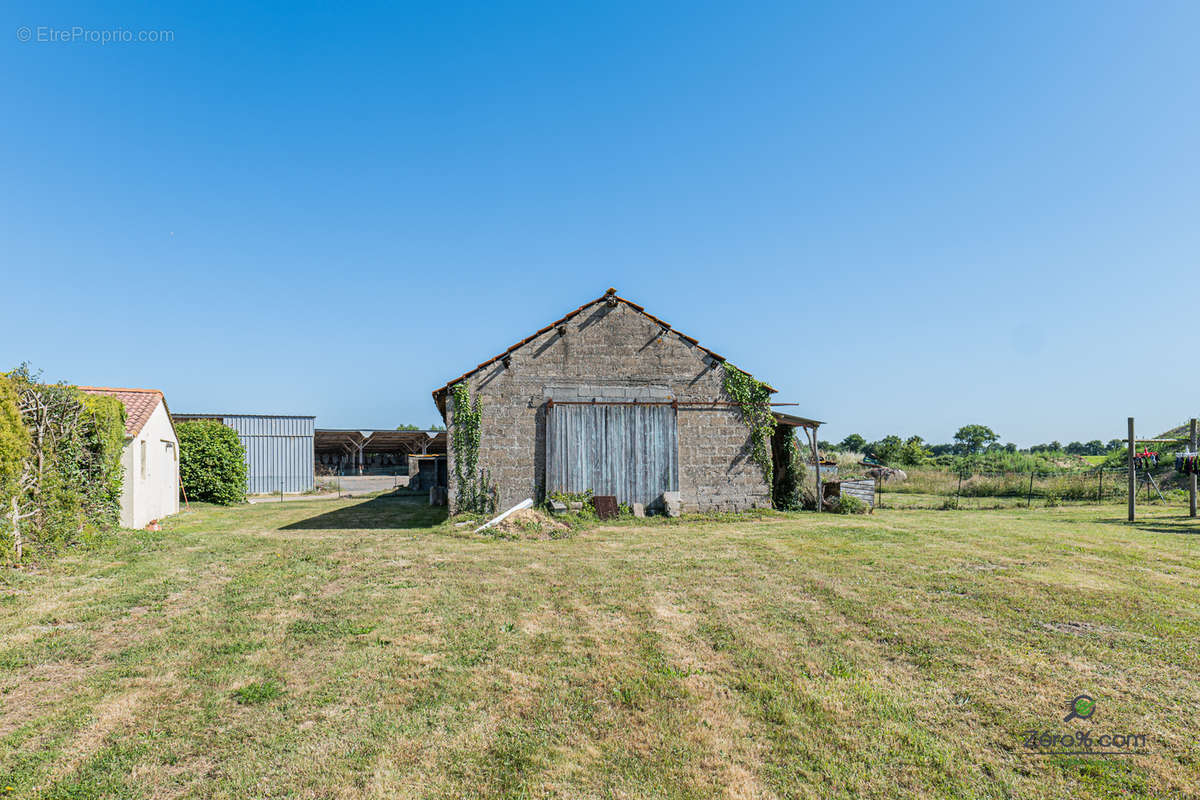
(557, 507)
(672, 503)
(639, 510)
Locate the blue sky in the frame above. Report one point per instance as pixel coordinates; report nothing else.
(906, 219)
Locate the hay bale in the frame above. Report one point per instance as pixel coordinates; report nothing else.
(888, 474)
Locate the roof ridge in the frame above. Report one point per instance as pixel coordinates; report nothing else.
(610, 293)
(117, 389)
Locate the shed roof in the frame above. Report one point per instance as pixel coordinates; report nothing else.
(386, 440)
(139, 404)
(223, 415)
(794, 421)
(439, 394)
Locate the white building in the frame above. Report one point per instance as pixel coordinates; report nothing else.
(151, 457)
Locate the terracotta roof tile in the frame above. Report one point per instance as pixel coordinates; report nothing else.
(139, 404)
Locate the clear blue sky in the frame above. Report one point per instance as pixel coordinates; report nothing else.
(905, 219)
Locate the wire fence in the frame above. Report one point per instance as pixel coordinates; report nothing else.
(928, 488)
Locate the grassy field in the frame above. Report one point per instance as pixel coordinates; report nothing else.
(353, 649)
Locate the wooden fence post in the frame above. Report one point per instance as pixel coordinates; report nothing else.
(1029, 497)
(16, 520)
(1132, 477)
(816, 451)
(1192, 482)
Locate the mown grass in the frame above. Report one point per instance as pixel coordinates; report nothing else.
(366, 648)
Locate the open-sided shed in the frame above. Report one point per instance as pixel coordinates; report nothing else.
(387, 451)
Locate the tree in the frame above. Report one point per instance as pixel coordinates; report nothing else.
(914, 452)
(886, 449)
(971, 439)
(853, 443)
(408, 428)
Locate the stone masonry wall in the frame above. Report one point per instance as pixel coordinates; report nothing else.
(612, 352)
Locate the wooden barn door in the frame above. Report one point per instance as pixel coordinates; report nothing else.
(618, 449)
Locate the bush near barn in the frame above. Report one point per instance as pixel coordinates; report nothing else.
(212, 462)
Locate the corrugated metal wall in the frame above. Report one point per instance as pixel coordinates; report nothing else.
(624, 450)
(279, 452)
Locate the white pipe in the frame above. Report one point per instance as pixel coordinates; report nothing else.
(526, 503)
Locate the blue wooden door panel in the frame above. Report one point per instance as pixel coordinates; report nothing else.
(624, 450)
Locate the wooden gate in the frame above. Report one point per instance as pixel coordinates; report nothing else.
(631, 451)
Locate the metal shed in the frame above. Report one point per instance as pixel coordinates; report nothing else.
(279, 449)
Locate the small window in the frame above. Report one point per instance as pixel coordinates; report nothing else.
(145, 466)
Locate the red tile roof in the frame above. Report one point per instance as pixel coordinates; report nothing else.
(439, 394)
(139, 404)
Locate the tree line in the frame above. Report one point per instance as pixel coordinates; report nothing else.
(969, 440)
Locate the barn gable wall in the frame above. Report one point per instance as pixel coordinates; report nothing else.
(612, 352)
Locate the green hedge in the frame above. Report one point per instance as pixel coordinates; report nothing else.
(60, 457)
(212, 462)
(104, 440)
(14, 441)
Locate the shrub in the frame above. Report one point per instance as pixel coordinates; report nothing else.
(212, 462)
(14, 442)
(1117, 458)
(849, 504)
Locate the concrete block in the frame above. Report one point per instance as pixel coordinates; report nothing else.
(672, 503)
(557, 507)
(639, 510)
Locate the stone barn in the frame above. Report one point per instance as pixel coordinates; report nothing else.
(614, 400)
